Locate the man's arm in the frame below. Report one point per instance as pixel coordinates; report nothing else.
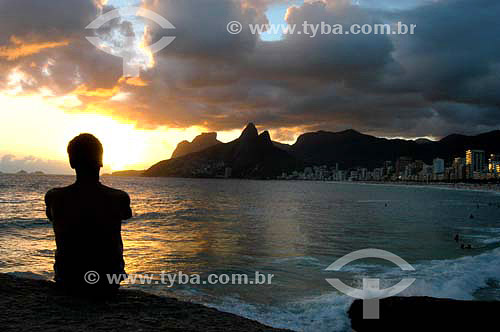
(126, 210)
(48, 203)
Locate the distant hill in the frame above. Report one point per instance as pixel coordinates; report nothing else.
(422, 141)
(201, 142)
(250, 156)
(350, 148)
(127, 173)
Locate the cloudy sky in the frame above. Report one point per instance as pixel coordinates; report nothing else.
(54, 84)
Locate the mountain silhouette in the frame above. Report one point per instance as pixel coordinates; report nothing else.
(249, 156)
(200, 142)
(351, 149)
(257, 156)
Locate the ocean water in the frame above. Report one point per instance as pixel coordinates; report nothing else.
(293, 230)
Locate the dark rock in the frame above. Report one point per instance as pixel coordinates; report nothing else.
(36, 305)
(427, 314)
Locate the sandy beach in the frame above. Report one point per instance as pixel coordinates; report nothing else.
(35, 305)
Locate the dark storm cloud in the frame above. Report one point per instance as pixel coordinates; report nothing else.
(50, 19)
(455, 55)
(443, 79)
(353, 59)
(201, 28)
(453, 60)
(249, 80)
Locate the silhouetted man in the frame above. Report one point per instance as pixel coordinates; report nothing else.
(86, 217)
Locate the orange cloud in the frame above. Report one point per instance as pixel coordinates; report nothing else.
(82, 90)
(22, 49)
(135, 81)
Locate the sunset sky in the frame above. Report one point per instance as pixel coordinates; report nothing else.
(54, 84)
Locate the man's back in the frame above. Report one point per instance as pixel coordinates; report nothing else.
(87, 224)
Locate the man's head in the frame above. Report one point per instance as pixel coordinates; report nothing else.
(85, 152)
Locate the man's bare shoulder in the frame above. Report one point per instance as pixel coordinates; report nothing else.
(53, 197)
(115, 193)
(54, 193)
(122, 198)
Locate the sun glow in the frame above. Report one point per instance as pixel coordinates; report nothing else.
(124, 146)
(36, 126)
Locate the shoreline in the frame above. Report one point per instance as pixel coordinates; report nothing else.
(36, 305)
(480, 187)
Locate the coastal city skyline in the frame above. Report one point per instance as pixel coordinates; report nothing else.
(475, 165)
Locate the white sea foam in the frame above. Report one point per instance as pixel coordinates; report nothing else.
(491, 240)
(322, 313)
(456, 279)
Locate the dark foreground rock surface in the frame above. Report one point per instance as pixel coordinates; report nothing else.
(35, 305)
(428, 314)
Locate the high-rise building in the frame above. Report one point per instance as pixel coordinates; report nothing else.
(401, 165)
(388, 169)
(459, 168)
(438, 166)
(494, 163)
(475, 161)
(419, 165)
(426, 173)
